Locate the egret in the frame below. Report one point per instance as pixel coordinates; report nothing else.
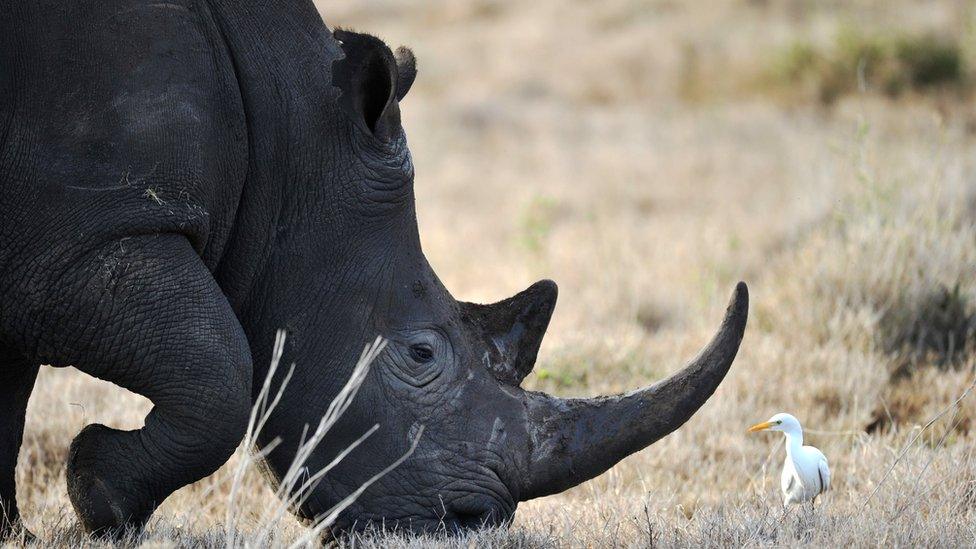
(805, 472)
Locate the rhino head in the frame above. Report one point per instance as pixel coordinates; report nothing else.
(348, 266)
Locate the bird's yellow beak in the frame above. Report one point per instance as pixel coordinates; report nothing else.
(761, 426)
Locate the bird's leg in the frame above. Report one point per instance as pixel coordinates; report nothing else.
(808, 524)
(785, 515)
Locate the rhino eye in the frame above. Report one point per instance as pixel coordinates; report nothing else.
(420, 356)
(421, 353)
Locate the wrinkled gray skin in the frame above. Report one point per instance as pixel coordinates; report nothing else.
(177, 181)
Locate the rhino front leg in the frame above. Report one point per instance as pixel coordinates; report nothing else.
(17, 376)
(150, 318)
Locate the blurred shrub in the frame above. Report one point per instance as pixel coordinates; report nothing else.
(930, 61)
(936, 327)
(891, 64)
(933, 329)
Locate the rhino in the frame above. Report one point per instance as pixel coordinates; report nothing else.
(180, 179)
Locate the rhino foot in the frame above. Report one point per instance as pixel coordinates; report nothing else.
(97, 483)
(17, 534)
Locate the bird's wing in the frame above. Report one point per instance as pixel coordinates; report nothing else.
(788, 478)
(824, 471)
(787, 484)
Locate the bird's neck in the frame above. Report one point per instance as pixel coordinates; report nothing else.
(793, 442)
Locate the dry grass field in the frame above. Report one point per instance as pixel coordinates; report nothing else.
(646, 155)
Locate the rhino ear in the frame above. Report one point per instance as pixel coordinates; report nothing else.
(513, 329)
(368, 78)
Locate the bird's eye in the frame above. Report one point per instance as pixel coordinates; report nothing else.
(421, 353)
(780, 422)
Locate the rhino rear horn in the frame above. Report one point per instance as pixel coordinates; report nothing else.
(514, 329)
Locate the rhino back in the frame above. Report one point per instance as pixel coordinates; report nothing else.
(120, 118)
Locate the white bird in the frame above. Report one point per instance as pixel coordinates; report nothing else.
(805, 471)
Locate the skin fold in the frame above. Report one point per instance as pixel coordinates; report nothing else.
(180, 180)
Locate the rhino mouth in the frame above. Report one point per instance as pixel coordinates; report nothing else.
(475, 512)
(468, 513)
(487, 504)
(478, 501)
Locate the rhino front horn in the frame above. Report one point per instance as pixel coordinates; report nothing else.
(574, 440)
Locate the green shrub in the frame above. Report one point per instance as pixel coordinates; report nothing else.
(936, 327)
(929, 60)
(889, 64)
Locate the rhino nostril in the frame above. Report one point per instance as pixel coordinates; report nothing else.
(475, 519)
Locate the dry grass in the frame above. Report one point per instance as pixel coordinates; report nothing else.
(622, 158)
